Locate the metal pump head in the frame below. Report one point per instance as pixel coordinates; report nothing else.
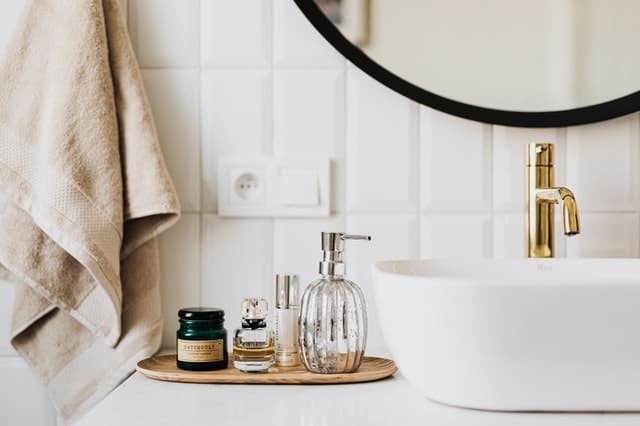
(332, 249)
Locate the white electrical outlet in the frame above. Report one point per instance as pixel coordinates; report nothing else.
(266, 187)
(247, 185)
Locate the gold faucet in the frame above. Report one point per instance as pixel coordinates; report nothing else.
(542, 195)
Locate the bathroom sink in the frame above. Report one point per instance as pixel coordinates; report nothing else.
(515, 335)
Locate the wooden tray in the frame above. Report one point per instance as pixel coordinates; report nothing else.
(164, 368)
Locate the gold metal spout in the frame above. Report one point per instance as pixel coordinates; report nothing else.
(542, 196)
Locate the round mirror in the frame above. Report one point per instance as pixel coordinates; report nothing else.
(542, 63)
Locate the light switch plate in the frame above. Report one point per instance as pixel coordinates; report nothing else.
(270, 187)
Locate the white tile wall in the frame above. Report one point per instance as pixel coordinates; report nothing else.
(165, 33)
(296, 43)
(608, 235)
(382, 147)
(180, 271)
(236, 33)
(394, 236)
(602, 161)
(174, 97)
(252, 77)
(237, 258)
(455, 235)
(294, 249)
(230, 100)
(455, 155)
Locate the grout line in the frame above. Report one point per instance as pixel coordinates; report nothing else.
(418, 180)
(269, 246)
(489, 175)
(272, 35)
(200, 157)
(270, 149)
(201, 241)
(341, 186)
(170, 68)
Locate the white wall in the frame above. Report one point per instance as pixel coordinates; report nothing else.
(252, 77)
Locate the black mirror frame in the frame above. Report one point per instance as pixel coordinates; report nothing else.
(599, 112)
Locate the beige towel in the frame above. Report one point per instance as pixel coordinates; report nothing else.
(88, 193)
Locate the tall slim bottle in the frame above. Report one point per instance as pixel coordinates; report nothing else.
(287, 311)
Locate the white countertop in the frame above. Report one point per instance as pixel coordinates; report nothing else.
(140, 401)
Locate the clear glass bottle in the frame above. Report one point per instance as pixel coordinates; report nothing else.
(253, 344)
(286, 315)
(333, 317)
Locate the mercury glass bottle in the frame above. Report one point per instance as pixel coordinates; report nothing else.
(253, 344)
(333, 317)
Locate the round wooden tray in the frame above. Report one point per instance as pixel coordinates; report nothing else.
(164, 368)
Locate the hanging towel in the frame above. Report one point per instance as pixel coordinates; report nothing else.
(88, 193)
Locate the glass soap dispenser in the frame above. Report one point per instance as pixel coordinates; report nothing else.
(253, 344)
(333, 319)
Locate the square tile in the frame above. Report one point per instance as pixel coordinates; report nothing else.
(393, 236)
(455, 162)
(510, 235)
(7, 296)
(237, 111)
(180, 272)
(382, 147)
(236, 34)
(510, 166)
(602, 168)
(165, 33)
(455, 235)
(297, 248)
(509, 239)
(236, 263)
(306, 100)
(174, 97)
(606, 235)
(296, 41)
(11, 11)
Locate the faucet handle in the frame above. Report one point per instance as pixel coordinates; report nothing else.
(540, 154)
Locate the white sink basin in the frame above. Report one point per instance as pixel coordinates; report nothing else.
(531, 335)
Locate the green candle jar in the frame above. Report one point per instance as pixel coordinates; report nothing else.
(201, 339)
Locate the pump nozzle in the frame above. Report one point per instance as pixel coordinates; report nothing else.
(332, 248)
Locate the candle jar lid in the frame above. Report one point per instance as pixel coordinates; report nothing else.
(201, 314)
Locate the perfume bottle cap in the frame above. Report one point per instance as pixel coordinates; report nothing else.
(254, 308)
(286, 291)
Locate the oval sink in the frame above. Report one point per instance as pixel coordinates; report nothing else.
(516, 335)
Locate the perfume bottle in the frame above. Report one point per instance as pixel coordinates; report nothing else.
(253, 344)
(287, 320)
(333, 317)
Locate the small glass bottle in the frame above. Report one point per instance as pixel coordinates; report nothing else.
(201, 341)
(287, 313)
(253, 344)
